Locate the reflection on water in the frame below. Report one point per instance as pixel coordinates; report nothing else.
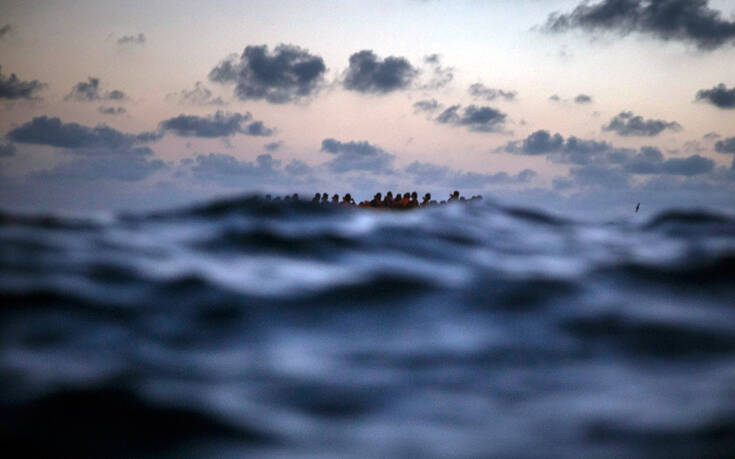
(286, 330)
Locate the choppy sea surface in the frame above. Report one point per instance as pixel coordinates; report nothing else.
(252, 328)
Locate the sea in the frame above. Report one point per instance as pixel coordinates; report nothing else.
(252, 328)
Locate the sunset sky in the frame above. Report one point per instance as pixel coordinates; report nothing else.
(561, 105)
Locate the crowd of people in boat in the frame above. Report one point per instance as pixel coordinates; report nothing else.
(399, 201)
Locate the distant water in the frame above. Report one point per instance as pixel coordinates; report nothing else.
(246, 327)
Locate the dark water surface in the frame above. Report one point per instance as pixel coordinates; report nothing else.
(249, 328)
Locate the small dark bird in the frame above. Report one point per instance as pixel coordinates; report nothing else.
(638, 206)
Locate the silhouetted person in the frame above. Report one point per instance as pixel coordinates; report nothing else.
(347, 200)
(267, 197)
(316, 198)
(638, 206)
(414, 202)
(426, 200)
(295, 197)
(377, 200)
(454, 196)
(335, 199)
(388, 201)
(325, 198)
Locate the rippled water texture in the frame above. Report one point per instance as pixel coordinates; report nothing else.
(251, 328)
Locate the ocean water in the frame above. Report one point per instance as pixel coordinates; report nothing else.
(245, 328)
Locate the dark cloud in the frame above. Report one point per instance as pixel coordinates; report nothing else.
(7, 149)
(439, 76)
(230, 171)
(89, 91)
(131, 39)
(123, 168)
(427, 106)
(596, 176)
(582, 99)
(711, 136)
(369, 74)
(14, 88)
(691, 21)
(555, 98)
(115, 94)
(475, 118)
(561, 183)
(603, 160)
(273, 146)
(288, 74)
(257, 128)
(539, 143)
(719, 96)
(4, 30)
(725, 146)
(436, 175)
(572, 150)
(200, 95)
(692, 165)
(356, 156)
(627, 124)
(111, 110)
(647, 161)
(220, 124)
(298, 168)
(480, 91)
(43, 130)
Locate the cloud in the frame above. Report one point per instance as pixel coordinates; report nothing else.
(539, 143)
(200, 95)
(89, 91)
(43, 130)
(711, 136)
(436, 175)
(298, 168)
(131, 39)
(273, 146)
(220, 124)
(692, 165)
(555, 98)
(597, 176)
(427, 106)
(689, 21)
(651, 161)
(225, 168)
(480, 91)
(288, 74)
(257, 128)
(719, 96)
(7, 149)
(583, 99)
(111, 110)
(598, 157)
(371, 75)
(439, 76)
(356, 156)
(725, 146)
(14, 88)
(116, 167)
(627, 124)
(571, 151)
(475, 118)
(4, 30)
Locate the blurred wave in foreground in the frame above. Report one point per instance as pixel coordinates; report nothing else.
(246, 327)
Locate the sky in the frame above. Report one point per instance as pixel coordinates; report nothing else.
(580, 108)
